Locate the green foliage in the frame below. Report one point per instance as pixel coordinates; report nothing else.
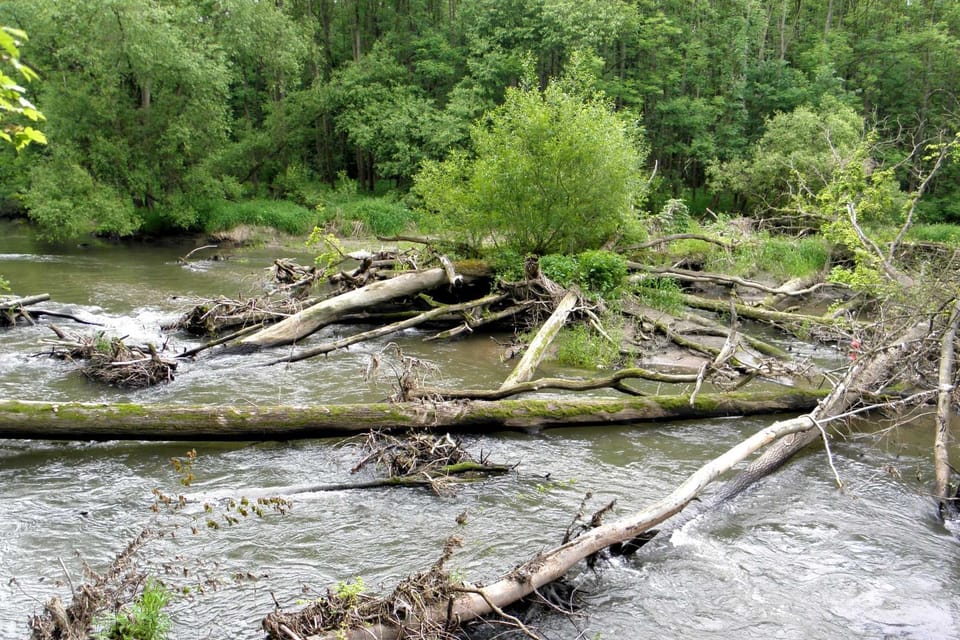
(564, 270)
(222, 215)
(552, 171)
(944, 233)
(350, 592)
(66, 201)
(144, 620)
(15, 108)
(584, 347)
(602, 272)
(4, 284)
(661, 293)
(797, 154)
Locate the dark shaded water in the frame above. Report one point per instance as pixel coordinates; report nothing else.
(795, 558)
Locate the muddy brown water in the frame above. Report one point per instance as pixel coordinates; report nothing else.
(794, 558)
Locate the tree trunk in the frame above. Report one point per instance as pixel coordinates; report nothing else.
(547, 567)
(941, 447)
(538, 346)
(105, 421)
(323, 313)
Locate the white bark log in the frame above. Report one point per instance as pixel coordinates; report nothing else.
(323, 313)
(538, 346)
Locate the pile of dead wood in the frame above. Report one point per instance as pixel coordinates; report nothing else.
(112, 361)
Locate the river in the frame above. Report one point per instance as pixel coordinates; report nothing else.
(793, 558)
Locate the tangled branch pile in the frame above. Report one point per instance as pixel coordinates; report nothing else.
(100, 595)
(422, 455)
(347, 607)
(215, 316)
(112, 361)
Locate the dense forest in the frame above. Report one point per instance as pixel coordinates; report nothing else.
(156, 111)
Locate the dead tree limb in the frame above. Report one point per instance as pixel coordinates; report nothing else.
(7, 304)
(471, 322)
(323, 313)
(537, 348)
(612, 381)
(779, 318)
(945, 412)
(679, 236)
(442, 310)
(549, 566)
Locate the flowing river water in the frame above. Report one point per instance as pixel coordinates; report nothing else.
(793, 558)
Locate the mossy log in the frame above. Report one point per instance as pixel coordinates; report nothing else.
(116, 421)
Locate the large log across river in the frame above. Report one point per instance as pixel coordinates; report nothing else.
(118, 421)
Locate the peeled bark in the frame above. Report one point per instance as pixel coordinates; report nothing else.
(105, 421)
(333, 345)
(302, 324)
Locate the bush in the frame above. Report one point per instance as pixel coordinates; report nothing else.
(564, 270)
(552, 171)
(601, 272)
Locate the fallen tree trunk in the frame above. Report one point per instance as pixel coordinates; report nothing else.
(549, 566)
(7, 304)
(105, 421)
(537, 348)
(945, 412)
(443, 310)
(323, 313)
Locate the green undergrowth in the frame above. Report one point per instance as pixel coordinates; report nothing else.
(145, 619)
(779, 257)
(584, 347)
(661, 293)
(941, 233)
(281, 215)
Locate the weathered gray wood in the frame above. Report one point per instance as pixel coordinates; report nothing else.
(537, 348)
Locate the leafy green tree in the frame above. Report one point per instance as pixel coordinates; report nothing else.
(798, 155)
(138, 106)
(551, 171)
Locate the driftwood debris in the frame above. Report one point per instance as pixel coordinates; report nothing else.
(112, 361)
(781, 439)
(217, 316)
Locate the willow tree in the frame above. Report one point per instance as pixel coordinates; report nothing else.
(550, 171)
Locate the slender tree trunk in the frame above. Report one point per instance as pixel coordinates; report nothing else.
(945, 411)
(541, 342)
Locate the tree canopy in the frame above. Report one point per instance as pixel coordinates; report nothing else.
(156, 107)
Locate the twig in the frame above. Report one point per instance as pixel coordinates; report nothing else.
(500, 612)
(826, 446)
